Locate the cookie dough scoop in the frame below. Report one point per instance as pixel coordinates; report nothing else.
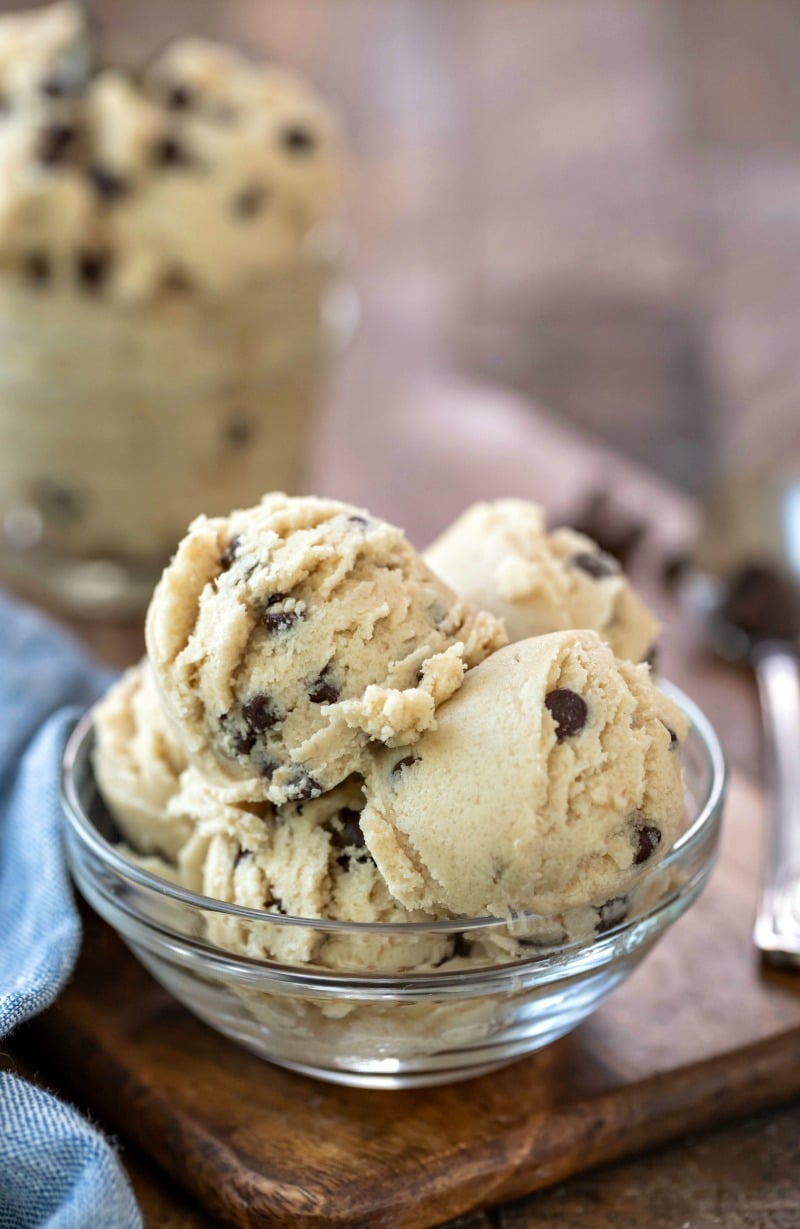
(552, 781)
(287, 637)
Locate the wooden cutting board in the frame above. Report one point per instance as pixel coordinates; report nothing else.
(699, 1033)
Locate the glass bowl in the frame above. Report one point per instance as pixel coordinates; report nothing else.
(496, 990)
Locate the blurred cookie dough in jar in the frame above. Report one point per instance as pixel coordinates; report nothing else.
(169, 250)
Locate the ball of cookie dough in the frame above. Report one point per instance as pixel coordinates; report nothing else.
(500, 556)
(138, 765)
(286, 637)
(304, 860)
(552, 781)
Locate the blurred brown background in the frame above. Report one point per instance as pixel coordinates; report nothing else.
(593, 202)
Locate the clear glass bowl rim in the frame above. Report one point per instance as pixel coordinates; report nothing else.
(682, 851)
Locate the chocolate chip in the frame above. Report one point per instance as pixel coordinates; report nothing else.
(651, 657)
(179, 98)
(568, 710)
(280, 620)
(249, 202)
(611, 914)
(597, 565)
(298, 139)
(238, 432)
(37, 267)
(646, 839)
(260, 713)
(274, 598)
(615, 531)
(303, 786)
(168, 152)
(92, 268)
(674, 742)
(323, 690)
(406, 762)
(244, 743)
(107, 185)
(240, 857)
(58, 502)
(358, 520)
(57, 144)
(461, 945)
(348, 835)
(268, 769)
(53, 88)
(763, 602)
(228, 556)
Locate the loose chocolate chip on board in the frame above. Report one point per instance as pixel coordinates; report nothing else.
(261, 713)
(57, 144)
(298, 139)
(37, 267)
(323, 690)
(229, 554)
(108, 186)
(568, 710)
(596, 564)
(611, 914)
(406, 762)
(250, 202)
(58, 502)
(92, 268)
(280, 620)
(646, 839)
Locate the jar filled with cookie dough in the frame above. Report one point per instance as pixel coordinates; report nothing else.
(170, 246)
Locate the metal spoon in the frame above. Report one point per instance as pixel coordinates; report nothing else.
(745, 580)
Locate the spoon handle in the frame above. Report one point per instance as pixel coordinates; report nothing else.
(777, 929)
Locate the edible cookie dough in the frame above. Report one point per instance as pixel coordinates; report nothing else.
(551, 781)
(500, 556)
(287, 638)
(206, 170)
(138, 765)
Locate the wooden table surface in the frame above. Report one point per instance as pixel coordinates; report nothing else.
(592, 204)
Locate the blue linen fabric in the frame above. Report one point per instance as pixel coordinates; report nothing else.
(55, 1169)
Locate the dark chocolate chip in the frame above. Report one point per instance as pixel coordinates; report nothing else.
(651, 657)
(614, 531)
(37, 267)
(168, 152)
(244, 743)
(406, 762)
(57, 144)
(179, 98)
(461, 945)
(238, 432)
(92, 268)
(280, 620)
(268, 769)
(229, 554)
(303, 786)
(57, 502)
(358, 520)
(598, 565)
(568, 710)
(108, 186)
(298, 139)
(611, 914)
(53, 88)
(241, 855)
(250, 202)
(646, 839)
(674, 742)
(763, 602)
(274, 598)
(348, 835)
(260, 713)
(323, 690)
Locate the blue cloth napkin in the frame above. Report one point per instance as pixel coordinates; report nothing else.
(55, 1169)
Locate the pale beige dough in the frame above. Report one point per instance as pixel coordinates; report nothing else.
(287, 637)
(498, 809)
(500, 556)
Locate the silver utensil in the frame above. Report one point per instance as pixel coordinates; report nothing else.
(745, 581)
